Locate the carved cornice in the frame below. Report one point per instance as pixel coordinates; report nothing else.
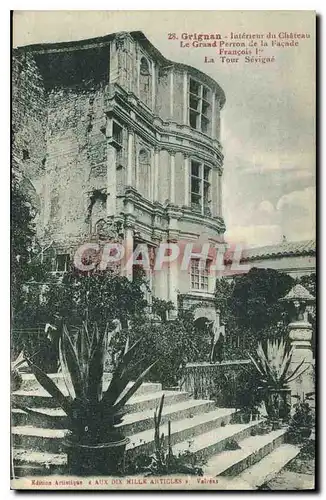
(129, 221)
(206, 299)
(123, 103)
(173, 211)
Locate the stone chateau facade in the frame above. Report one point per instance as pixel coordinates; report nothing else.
(112, 139)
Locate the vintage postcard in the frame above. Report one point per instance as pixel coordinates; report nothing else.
(163, 250)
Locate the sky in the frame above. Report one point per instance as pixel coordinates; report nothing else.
(268, 121)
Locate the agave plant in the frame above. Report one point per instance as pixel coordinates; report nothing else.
(16, 378)
(273, 367)
(273, 364)
(93, 414)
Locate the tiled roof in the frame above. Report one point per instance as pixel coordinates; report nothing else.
(284, 249)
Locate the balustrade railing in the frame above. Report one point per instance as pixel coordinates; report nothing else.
(218, 381)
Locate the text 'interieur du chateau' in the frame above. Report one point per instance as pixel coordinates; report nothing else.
(235, 47)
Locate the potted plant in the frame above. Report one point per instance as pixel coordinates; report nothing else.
(94, 442)
(273, 368)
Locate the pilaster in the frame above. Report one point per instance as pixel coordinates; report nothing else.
(111, 187)
(172, 176)
(171, 93)
(130, 157)
(186, 180)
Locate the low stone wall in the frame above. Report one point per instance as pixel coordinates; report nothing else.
(218, 381)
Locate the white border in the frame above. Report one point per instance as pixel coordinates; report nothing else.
(319, 6)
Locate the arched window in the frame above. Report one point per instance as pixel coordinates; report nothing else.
(144, 172)
(145, 81)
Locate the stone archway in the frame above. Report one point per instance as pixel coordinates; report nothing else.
(205, 312)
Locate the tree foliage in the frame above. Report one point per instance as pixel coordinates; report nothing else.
(173, 343)
(26, 269)
(99, 296)
(251, 309)
(256, 298)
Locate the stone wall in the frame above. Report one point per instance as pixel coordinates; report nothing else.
(59, 146)
(76, 166)
(28, 127)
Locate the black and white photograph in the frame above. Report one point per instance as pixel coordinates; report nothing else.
(163, 250)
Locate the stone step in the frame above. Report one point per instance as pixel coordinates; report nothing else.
(54, 418)
(51, 440)
(41, 399)
(143, 442)
(252, 449)
(28, 462)
(29, 383)
(269, 466)
(38, 438)
(141, 421)
(209, 443)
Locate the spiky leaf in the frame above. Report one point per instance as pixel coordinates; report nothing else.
(73, 364)
(65, 371)
(96, 367)
(121, 402)
(50, 387)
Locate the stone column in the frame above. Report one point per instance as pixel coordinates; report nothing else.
(186, 180)
(155, 173)
(185, 98)
(130, 158)
(153, 86)
(219, 193)
(173, 285)
(171, 94)
(111, 185)
(215, 192)
(129, 247)
(213, 122)
(172, 177)
(300, 334)
(174, 215)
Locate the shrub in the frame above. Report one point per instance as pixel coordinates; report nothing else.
(173, 343)
(237, 387)
(301, 423)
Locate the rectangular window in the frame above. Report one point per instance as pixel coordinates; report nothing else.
(62, 262)
(199, 273)
(117, 140)
(200, 106)
(200, 183)
(117, 134)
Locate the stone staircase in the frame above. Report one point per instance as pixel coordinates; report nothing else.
(196, 425)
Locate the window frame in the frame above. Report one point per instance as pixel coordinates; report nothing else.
(203, 205)
(199, 275)
(66, 262)
(202, 99)
(145, 99)
(118, 142)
